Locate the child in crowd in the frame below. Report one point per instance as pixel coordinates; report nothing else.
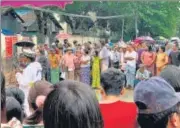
(141, 74)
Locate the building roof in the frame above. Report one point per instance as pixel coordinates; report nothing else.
(6, 10)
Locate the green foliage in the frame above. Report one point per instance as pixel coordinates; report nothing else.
(160, 18)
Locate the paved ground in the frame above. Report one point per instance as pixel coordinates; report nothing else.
(128, 96)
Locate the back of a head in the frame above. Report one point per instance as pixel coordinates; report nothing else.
(112, 81)
(17, 93)
(72, 105)
(40, 88)
(172, 75)
(13, 109)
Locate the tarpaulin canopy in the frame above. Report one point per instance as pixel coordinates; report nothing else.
(7, 32)
(38, 3)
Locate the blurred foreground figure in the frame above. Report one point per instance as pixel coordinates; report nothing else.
(116, 113)
(72, 105)
(158, 104)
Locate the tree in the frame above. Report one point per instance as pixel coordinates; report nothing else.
(154, 18)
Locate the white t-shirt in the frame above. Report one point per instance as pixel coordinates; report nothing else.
(104, 55)
(132, 54)
(86, 58)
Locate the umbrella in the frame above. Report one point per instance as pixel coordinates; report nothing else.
(175, 39)
(41, 3)
(25, 44)
(161, 39)
(141, 39)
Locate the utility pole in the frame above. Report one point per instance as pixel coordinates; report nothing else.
(136, 26)
(122, 36)
(136, 20)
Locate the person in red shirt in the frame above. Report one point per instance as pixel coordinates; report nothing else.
(116, 113)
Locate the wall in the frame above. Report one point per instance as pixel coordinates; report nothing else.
(82, 39)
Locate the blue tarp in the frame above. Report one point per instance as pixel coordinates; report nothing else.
(7, 32)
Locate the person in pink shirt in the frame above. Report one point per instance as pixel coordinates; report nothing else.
(148, 59)
(68, 64)
(77, 63)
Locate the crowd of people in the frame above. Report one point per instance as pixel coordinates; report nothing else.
(56, 87)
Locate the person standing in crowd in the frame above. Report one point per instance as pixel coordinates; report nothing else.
(115, 57)
(140, 49)
(141, 74)
(45, 65)
(148, 58)
(122, 51)
(168, 49)
(175, 55)
(85, 68)
(96, 70)
(72, 105)
(104, 56)
(116, 113)
(130, 70)
(31, 74)
(77, 63)
(158, 104)
(46, 50)
(68, 63)
(75, 43)
(161, 61)
(54, 65)
(65, 45)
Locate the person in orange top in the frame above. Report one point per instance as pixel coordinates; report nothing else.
(148, 58)
(162, 60)
(54, 65)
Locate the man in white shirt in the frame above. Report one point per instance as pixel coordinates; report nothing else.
(130, 70)
(104, 56)
(31, 74)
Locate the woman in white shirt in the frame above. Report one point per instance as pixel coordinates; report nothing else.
(85, 67)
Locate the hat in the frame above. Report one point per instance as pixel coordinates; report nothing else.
(172, 75)
(156, 94)
(29, 53)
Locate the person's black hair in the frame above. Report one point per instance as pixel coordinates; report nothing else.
(89, 42)
(96, 53)
(3, 93)
(163, 48)
(112, 81)
(176, 44)
(72, 105)
(17, 93)
(150, 48)
(13, 109)
(75, 42)
(42, 52)
(158, 120)
(35, 118)
(65, 41)
(86, 51)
